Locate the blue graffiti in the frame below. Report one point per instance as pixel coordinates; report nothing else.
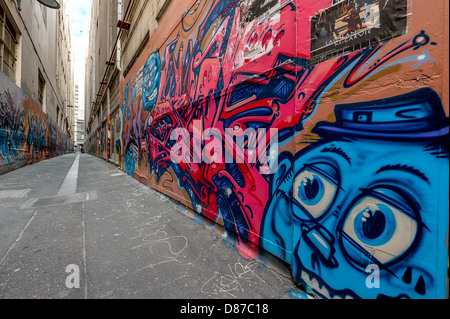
(37, 135)
(125, 106)
(130, 161)
(151, 81)
(364, 195)
(11, 127)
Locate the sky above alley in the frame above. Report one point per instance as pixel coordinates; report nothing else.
(80, 16)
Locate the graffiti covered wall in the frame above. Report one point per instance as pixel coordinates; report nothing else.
(317, 130)
(27, 134)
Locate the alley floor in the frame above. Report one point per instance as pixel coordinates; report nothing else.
(77, 227)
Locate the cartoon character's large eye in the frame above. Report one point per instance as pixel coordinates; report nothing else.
(315, 189)
(380, 229)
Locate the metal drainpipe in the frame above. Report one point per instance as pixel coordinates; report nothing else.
(119, 44)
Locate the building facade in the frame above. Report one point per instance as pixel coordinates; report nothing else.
(314, 130)
(36, 83)
(101, 94)
(80, 129)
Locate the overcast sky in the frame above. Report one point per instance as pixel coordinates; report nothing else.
(80, 16)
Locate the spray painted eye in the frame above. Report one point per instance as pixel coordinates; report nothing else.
(383, 230)
(314, 190)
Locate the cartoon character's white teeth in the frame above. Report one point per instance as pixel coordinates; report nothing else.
(319, 288)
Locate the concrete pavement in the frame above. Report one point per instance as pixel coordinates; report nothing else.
(76, 227)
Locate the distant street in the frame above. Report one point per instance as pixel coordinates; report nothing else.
(77, 227)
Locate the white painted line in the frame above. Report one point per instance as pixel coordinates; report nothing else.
(117, 174)
(29, 203)
(69, 185)
(21, 193)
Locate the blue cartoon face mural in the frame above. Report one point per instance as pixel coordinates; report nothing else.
(151, 81)
(365, 195)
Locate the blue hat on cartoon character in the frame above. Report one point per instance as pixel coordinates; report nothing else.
(415, 115)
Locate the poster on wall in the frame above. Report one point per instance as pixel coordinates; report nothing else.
(253, 9)
(350, 25)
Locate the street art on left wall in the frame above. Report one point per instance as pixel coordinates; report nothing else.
(27, 134)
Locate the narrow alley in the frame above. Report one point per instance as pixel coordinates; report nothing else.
(126, 240)
(282, 150)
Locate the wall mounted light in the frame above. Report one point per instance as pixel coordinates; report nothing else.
(52, 4)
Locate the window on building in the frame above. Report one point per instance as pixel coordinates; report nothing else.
(41, 90)
(8, 46)
(57, 115)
